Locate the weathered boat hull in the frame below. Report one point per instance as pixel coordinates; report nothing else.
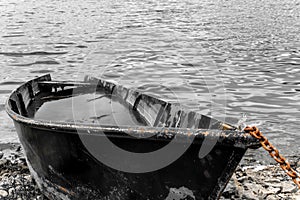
(65, 169)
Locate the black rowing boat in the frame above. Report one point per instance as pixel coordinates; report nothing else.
(98, 140)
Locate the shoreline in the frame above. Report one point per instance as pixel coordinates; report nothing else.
(253, 179)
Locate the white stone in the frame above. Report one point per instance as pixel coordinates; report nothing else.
(11, 191)
(3, 193)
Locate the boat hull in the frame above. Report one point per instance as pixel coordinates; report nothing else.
(60, 157)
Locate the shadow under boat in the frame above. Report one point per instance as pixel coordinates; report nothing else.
(56, 122)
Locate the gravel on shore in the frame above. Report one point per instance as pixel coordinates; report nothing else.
(252, 180)
(16, 182)
(256, 179)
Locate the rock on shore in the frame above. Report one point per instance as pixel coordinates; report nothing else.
(256, 179)
(15, 180)
(253, 180)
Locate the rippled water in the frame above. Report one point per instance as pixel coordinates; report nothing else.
(212, 56)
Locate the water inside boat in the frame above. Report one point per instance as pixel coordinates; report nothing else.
(97, 107)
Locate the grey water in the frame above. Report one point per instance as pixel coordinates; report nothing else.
(93, 108)
(221, 58)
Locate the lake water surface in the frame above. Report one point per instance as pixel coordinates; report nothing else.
(221, 58)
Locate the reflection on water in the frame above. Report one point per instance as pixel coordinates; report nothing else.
(179, 51)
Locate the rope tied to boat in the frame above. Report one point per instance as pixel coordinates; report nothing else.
(274, 153)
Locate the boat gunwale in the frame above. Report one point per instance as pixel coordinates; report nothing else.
(233, 137)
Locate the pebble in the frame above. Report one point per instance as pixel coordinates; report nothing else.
(3, 162)
(271, 197)
(3, 193)
(39, 198)
(28, 178)
(11, 191)
(289, 188)
(249, 196)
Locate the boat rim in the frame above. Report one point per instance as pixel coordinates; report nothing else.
(245, 139)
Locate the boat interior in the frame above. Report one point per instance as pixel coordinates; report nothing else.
(98, 102)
